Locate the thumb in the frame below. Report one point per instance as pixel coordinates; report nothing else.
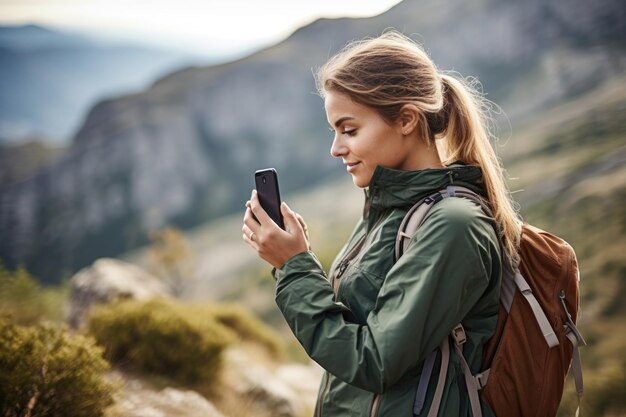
(290, 218)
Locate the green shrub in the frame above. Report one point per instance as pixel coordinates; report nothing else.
(246, 326)
(162, 338)
(46, 370)
(26, 301)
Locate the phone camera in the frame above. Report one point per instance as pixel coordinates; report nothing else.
(264, 180)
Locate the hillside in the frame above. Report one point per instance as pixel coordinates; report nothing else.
(19, 161)
(182, 152)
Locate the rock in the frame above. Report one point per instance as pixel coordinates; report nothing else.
(303, 379)
(108, 280)
(138, 400)
(287, 390)
(248, 386)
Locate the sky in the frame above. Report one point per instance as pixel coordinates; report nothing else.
(210, 26)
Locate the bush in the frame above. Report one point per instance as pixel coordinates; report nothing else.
(26, 301)
(46, 372)
(246, 326)
(162, 338)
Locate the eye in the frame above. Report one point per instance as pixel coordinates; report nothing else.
(349, 132)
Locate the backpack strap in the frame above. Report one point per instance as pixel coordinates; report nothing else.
(422, 387)
(416, 215)
(441, 380)
(540, 316)
(577, 369)
(472, 383)
(576, 339)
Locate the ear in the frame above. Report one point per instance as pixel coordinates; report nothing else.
(408, 119)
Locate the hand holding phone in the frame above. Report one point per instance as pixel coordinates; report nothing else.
(275, 248)
(269, 195)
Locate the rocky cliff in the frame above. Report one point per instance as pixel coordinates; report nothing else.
(184, 151)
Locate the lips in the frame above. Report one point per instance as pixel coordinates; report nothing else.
(351, 166)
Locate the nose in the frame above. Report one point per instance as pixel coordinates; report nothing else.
(338, 148)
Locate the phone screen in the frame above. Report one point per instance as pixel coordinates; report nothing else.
(269, 195)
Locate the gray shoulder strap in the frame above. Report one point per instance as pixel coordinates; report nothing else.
(414, 218)
(441, 381)
(412, 221)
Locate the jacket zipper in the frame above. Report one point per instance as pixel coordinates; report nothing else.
(345, 262)
(350, 256)
(376, 405)
(324, 391)
(339, 271)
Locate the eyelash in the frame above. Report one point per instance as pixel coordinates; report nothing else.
(350, 132)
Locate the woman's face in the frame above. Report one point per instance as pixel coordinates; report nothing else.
(363, 139)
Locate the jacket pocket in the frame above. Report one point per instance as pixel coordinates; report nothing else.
(359, 291)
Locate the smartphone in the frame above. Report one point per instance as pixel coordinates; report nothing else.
(269, 196)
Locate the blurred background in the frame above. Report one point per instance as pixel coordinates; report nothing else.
(129, 135)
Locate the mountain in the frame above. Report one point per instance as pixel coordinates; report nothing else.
(20, 160)
(50, 78)
(35, 37)
(183, 151)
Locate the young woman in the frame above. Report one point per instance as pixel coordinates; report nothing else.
(404, 131)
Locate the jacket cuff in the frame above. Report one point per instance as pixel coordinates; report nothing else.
(302, 262)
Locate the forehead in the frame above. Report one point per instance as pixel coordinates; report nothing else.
(339, 105)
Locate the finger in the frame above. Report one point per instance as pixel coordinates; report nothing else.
(302, 222)
(252, 236)
(291, 220)
(255, 206)
(247, 234)
(250, 221)
(304, 227)
(252, 243)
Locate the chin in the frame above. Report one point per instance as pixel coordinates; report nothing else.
(361, 182)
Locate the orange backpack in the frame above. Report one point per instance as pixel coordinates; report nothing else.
(536, 340)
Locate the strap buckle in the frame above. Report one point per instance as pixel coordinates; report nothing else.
(482, 378)
(458, 334)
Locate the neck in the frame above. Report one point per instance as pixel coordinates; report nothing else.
(422, 156)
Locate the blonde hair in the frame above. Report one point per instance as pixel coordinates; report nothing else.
(390, 71)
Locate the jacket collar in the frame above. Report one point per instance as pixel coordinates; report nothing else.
(391, 188)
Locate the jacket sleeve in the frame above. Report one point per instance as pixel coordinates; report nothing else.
(426, 293)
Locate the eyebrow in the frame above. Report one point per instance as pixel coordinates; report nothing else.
(343, 119)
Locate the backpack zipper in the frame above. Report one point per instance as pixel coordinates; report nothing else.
(570, 322)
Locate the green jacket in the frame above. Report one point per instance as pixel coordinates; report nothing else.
(373, 335)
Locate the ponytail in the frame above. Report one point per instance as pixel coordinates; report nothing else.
(466, 138)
